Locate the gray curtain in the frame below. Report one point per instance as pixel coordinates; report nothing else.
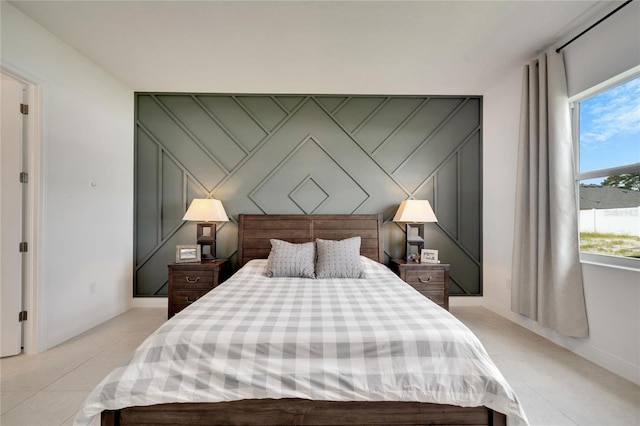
(546, 275)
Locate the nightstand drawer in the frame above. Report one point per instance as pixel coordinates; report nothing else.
(429, 279)
(192, 280)
(427, 286)
(185, 298)
(425, 279)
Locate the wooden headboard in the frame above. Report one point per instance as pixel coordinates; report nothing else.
(255, 231)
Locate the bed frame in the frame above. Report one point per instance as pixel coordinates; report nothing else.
(254, 233)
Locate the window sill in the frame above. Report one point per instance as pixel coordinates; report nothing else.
(625, 263)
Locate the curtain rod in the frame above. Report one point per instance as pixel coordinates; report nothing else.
(592, 26)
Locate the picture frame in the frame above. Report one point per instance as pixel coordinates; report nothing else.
(429, 256)
(187, 253)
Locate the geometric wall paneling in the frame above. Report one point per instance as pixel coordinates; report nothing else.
(435, 149)
(146, 195)
(301, 182)
(446, 184)
(228, 112)
(401, 145)
(354, 111)
(151, 274)
(394, 239)
(206, 129)
(265, 109)
(383, 121)
(468, 276)
(470, 195)
(180, 142)
(334, 154)
(172, 203)
(309, 140)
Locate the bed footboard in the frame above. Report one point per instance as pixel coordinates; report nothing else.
(303, 412)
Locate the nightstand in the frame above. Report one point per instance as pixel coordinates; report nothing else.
(430, 279)
(190, 281)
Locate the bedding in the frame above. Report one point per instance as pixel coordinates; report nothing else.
(255, 337)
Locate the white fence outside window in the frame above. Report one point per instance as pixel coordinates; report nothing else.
(611, 221)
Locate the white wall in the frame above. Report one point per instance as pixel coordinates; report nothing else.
(500, 150)
(612, 294)
(87, 137)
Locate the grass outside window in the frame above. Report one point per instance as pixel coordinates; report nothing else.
(610, 244)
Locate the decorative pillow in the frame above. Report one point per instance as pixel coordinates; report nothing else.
(339, 259)
(291, 260)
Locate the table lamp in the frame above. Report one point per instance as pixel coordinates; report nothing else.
(206, 211)
(415, 213)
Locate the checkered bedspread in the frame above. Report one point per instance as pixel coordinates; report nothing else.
(255, 337)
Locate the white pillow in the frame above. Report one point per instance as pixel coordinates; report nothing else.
(291, 260)
(339, 259)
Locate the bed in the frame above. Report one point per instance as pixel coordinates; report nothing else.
(266, 351)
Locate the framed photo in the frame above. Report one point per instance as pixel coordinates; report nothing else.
(429, 256)
(187, 253)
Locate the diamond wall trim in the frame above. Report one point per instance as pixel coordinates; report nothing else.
(307, 154)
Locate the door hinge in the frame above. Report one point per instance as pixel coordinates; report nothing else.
(24, 246)
(22, 316)
(24, 177)
(24, 109)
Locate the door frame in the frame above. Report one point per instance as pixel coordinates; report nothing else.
(33, 203)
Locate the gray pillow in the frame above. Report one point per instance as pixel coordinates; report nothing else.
(291, 260)
(339, 259)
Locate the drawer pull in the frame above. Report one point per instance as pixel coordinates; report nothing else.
(190, 300)
(193, 281)
(423, 281)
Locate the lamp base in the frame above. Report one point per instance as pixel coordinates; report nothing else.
(415, 241)
(206, 232)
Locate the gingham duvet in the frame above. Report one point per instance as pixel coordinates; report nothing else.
(255, 337)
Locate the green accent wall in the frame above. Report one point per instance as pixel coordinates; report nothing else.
(307, 154)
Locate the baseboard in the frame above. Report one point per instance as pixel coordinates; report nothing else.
(61, 335)
(466, 301)
(580, 347)
(150, 302)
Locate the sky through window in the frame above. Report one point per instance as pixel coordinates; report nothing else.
(610, 128)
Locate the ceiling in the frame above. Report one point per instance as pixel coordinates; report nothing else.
(395, 47)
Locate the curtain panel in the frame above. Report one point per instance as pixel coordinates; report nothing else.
(546, 275)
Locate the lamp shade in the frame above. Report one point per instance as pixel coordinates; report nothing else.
(206, 210)
(415, 211)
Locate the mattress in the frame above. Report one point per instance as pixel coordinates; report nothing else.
(367, 339)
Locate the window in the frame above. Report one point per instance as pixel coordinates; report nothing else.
(607, 131)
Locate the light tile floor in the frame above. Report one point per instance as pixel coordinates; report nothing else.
(555, 386)
(48, 388)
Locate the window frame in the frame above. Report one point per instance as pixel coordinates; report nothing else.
(618, 262)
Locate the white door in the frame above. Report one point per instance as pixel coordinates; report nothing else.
(11, 92)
